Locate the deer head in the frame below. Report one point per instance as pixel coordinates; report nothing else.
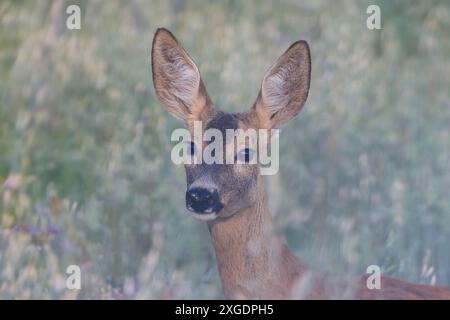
(221, 190)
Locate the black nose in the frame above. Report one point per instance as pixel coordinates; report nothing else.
(202, 200)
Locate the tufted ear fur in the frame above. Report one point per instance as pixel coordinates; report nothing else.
(177, 80)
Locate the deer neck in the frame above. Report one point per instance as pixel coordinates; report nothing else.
(252, 261)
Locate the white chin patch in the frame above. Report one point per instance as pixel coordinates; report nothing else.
(204, 216)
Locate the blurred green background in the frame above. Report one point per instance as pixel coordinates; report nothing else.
(84, 144)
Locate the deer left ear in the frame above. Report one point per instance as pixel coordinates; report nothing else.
(285, 86)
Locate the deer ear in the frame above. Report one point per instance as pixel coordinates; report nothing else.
(176, 78)
(285, 86)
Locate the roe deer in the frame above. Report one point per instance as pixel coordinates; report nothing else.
(252, 261)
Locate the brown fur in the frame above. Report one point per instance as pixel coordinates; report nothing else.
(253, 262)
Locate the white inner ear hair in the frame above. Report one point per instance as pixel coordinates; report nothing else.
(276, 90)
(182, 77)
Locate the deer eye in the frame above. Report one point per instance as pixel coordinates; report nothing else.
(245, 155)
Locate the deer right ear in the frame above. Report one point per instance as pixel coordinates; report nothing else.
(176, 78)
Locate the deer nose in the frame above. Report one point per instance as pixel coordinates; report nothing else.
(201, 200)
